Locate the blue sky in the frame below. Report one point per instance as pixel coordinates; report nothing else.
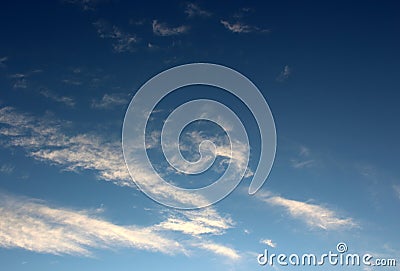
(68, 70)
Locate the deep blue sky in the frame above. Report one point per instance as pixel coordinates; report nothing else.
(68, 69)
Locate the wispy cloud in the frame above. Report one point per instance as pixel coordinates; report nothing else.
(3, 60)
(301, 164)
(303, 159)
(196, 223)
(162, 29)
(57, 98)
(304, 151)
(72, 82)
(111, 100)
(32, 225)
(268, 242)
(221, 250)
(245, 11)
(84, 4)
(20, 80)
(396, 189)
(285, 73)
(239, 27)
(7, 169)
(314, 215)
(121, 41)
(46, 140)
(193, 10)
(235, 157)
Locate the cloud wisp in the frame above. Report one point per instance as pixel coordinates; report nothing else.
(86, 5)
(47, 140)
(285, 73)
(221, 250)
(121, 41)
(303, 159)
(194, 10)
(239, 27)
(32, 225)
(3, 61)
(314, 215)
(20, 81)
(162, 29)
(196, 223)
(396, 189)
(109, 101)
(268, 242)
(7, 168)
(68, 101)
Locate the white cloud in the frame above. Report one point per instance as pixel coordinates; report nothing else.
(72, 82)
(287, 71)
(221, 250)
(397, 190)
(84, 4)
(161, 29)
(268, 242)
(61, 99)
(301, 164)
(122, 42)
(193, 10)
(111, 100)
(47, 141)
(239, 27)
(20, 80)
(236, 157)
(7, 169)
(32, 225)
(303, 159)
(198, 222)
(27, 223)
(3, 60)
(315, 216)
(304, 151)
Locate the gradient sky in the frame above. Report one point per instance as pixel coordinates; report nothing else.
(68, 70)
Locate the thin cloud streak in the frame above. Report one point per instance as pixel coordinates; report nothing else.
(196, 223)
(20, 81)
(301, 164)
(284, 75)
(110, 101)
(121, 41)
(239, 27)
(397, 190)
(32, 225)
(193, 10)
(7, 169)
(60, 99)
(314, 215)
(47, 141)
(220, 250)
(268, 242)
(3, 60)
(161, 29)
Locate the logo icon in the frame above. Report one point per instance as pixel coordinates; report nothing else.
(153, 91)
